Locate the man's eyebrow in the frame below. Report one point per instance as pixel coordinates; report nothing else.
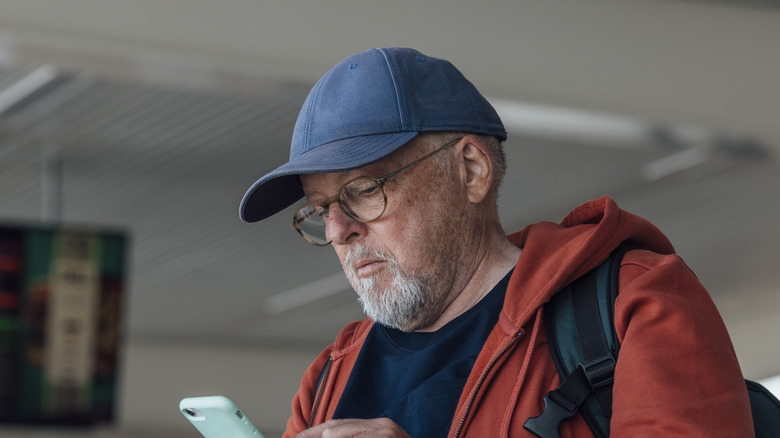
(307, 195)
(344, 177)
(313, 193)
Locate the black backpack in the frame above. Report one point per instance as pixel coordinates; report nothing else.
(580, 327)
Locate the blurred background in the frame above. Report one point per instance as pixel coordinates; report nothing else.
(150, 119)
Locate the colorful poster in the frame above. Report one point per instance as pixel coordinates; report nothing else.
(65, 325)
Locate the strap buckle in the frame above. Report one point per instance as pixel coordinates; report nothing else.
(600, 372)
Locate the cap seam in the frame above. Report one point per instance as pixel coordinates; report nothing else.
(394, 79)
(309, 112)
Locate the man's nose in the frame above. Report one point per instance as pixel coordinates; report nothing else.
(341, 228)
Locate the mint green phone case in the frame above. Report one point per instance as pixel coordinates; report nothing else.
(217, 417)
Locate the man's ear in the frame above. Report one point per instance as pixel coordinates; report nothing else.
(477, 169)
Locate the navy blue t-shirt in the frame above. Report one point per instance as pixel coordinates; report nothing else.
(416, 379)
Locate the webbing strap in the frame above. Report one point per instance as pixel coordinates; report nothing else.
(589, 298)
(598, 363)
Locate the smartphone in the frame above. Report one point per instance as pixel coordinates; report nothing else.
(217, 417)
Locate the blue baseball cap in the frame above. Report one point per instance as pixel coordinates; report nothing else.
(364, 108)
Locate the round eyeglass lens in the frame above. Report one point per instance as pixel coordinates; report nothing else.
(364, 199)
(312, 224)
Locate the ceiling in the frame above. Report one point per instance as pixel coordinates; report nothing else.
(163, 113)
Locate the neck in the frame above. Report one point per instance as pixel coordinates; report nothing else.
(492, 257)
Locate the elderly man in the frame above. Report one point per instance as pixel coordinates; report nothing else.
(399, 159)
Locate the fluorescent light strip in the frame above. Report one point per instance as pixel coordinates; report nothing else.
(568, 124)
(308, 293)
(26, 86)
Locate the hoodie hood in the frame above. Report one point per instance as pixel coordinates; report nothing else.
(555, 255)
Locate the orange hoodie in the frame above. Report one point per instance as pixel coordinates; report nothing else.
(677, 374)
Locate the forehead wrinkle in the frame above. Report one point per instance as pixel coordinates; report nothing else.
(314, 190)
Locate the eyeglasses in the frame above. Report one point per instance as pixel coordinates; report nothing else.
(363, 199)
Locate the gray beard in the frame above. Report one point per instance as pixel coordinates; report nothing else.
(398, 306)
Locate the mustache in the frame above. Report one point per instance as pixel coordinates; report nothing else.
(360, 252)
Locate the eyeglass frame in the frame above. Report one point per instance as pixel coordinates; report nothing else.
(380, 181)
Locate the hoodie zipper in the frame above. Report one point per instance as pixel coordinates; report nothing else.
(320, 390)
(481, 380)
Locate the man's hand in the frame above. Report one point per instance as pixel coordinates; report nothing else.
(377, 427)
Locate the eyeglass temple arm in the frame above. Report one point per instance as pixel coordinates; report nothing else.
(384, 179)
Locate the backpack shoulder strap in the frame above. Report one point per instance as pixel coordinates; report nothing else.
(580, 329)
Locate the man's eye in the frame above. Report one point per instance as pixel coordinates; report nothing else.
(368, 191)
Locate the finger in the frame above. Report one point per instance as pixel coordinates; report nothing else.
(353, 428)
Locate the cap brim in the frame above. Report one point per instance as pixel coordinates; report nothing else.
(281, 187)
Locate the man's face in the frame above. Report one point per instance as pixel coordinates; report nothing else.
(402, 265)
